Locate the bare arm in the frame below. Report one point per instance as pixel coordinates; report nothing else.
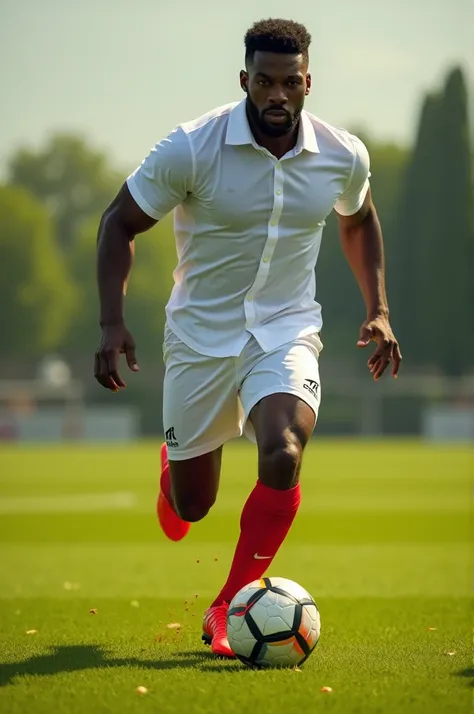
(362, 243)
(121, 222)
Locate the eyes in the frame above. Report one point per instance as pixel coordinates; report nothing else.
(288, 83)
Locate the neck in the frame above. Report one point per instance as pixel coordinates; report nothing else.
(276, 145)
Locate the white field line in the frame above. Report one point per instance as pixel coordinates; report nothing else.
(80, 503)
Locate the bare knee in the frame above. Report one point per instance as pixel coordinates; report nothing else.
(192, 511)
(194, 485)
(280, 460)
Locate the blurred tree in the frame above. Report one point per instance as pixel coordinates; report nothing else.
(419, 217)
(435, 252)
(36, 296)
(454, 250)
(70, 178)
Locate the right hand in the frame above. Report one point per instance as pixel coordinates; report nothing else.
(115, 340)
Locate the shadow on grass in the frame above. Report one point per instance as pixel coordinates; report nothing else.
(74, 658)
(208, 662)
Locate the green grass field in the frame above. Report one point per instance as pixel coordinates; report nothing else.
(382, 541)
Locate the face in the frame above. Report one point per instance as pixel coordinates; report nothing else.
(276, 85)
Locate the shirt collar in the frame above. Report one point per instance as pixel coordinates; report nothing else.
(238, 129)
(307, 135)
(239, 132)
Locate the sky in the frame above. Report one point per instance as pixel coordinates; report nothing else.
(124, 73)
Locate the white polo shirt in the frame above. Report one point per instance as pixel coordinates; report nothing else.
(248, 226)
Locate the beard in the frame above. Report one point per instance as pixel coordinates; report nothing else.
(273, 130)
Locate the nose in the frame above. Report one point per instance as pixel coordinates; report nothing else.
(278, 96)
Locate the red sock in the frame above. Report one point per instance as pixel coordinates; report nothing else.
(266, 519)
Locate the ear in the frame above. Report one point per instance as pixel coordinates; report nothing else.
(308, 84)
(244, 78)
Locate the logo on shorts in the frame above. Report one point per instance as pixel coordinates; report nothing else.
(312, 386)
(171, 438)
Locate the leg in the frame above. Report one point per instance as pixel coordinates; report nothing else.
(200, 413)
(283, 424)
(194, 484)
(283, 420)
(188, 489)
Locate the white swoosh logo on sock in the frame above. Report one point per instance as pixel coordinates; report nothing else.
(262, 557)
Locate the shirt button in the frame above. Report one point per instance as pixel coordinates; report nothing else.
(266, 258)
(278, 193)
(250, 298)
(278, 165)
(273, 222)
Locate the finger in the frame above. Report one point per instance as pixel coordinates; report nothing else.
(383, 354)
(131, 357)
(397, 358)
(103, 374)
(365, 335)
(107, 383)
(381, 367)
(98, 373)
(384, 346)
(112, 358)
(373, 366)
(119, 383)
(383, 363)
(373, 359)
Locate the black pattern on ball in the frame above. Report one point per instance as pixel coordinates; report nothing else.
(250, 603)
(254, 628)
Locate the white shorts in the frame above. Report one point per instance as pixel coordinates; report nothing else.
(207, 400)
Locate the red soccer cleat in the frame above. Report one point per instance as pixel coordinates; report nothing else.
(214, 629)
(171, 524)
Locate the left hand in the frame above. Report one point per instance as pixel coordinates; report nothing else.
(378, 329)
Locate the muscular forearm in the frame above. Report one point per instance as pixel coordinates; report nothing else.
(115, 249)
(363, 247)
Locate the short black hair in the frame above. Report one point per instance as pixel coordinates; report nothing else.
(276, 35)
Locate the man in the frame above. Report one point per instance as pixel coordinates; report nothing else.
(252, 184)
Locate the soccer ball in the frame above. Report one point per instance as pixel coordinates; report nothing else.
(273, 622)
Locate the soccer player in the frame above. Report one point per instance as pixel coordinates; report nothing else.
(251, 183)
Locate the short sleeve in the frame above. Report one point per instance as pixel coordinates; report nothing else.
(165, 177)
(358, 185)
